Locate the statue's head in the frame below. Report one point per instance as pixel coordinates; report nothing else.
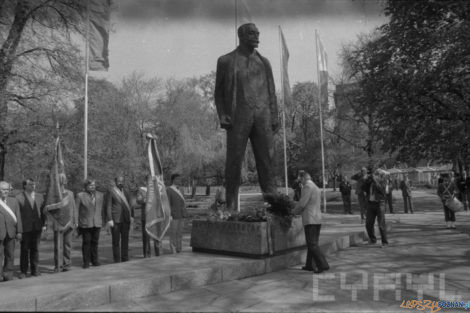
(249, 35)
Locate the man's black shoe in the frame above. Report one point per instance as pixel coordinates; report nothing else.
(307, 269)
(36, 273)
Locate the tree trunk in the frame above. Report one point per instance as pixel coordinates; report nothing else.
(3, 154)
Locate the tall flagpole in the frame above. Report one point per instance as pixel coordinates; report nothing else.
(321, 123)
(85, 118)
(236, 22)
(283, 110)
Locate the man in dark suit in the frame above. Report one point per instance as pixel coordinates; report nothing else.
(374, 189)
(32, 220)
(360, 179)
(178, 213)
(119, 215)
(89, 214)
(245, 98)
(405, 187)
(345, 189)
(10, 229)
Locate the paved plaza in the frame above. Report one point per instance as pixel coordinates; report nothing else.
(425, 261)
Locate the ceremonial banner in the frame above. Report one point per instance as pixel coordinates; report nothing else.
(285, 73)
(157, 206)
(322, 63)
(54, 206)
(99, 12)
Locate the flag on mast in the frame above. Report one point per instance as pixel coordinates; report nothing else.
(285, 73)
(157, 205)
(322, 63)
(99, 21)
(243, 12)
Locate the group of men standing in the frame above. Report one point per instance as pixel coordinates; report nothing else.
(23, 218)
(389, 185)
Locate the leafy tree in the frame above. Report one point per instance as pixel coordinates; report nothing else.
(419, 63)
(38, 58)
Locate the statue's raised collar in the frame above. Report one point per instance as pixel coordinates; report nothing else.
(243, 51)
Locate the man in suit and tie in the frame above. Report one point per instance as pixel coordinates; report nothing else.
(119, 215)
(32, 220)
(88, 213)
(309, 207)
(178, 213)
(10, 229)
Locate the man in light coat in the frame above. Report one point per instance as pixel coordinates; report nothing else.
(89, 212)
(309, 207)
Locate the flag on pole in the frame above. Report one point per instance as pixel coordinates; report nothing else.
(157, 206)
(54, 207)
(243, 12)
(285, 72)
(98, 13)
(322, 64)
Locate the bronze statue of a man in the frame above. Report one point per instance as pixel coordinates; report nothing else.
(245, 98)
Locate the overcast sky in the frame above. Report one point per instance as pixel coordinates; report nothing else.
(184, 38)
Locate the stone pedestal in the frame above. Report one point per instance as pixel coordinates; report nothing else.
(248, 239)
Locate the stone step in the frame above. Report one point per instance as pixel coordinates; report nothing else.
(82, 288)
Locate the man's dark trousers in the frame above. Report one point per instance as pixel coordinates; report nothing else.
(7, 249)
(315, 258)
(347, 203)
(408, 204)
(388, 201)
(375, 210)
(90, 238)
(29, 251)
(120, 235)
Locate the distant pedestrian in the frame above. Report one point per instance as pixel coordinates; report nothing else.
(405, 187)
(467, 192)
(178, 213)
(309, 207)
(360, 179)
(297, 186)
(345, 189)
(388, 194)
(374, 188)
(446, 190)
(462, 188)
(89, 211)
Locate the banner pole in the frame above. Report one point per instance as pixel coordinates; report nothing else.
(85, 109)
(321, 123)
(283, 111)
